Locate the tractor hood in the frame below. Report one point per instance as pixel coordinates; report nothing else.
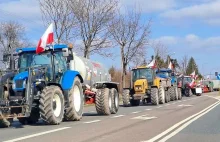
(19, 81)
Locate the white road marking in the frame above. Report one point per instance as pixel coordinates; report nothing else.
(159, 106)
(178, 124)
(173, 103)
(94, 121)
(117, 116)
(186, 100)
(144, 117)
(186, 124)
(166, 104)
(38, 134)
(182, 105)
(92, 111)
(136, 112)
(148, 109)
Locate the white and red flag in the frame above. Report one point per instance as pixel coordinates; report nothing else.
(193, 74)
(170, 66)
(46, 39)
(152, 64)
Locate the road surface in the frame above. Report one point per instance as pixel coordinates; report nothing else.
(190, 119)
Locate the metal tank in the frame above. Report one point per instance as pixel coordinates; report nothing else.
(90, 71)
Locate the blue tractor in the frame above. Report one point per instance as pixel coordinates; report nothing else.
(45, 87)
(174, 93)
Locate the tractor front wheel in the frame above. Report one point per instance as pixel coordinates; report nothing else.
(52, 105)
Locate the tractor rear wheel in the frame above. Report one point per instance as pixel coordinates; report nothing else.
(167, 97)
(171, 92)
(126, 97)
(161, 95)
(179, 94)
(103, 101)
(154, 96)
(52, 105)
(115, 100)
(75, 110)
(176, 94)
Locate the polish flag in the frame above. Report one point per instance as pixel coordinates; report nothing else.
(46, 39)
(193, 74)
(192, 84)
(170, 66)
(152, 64)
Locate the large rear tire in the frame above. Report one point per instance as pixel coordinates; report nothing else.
(103, 101)
(126, 98)
(75, 110)
(161, 95)
(167, 97)
(52, 105)
(176, 94)
(154, 96)
(115, 100)
(179, 94)
(171, 92)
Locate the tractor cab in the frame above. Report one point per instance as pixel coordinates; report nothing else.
(141, 78)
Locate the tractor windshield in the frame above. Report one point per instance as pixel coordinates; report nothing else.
(144, 73)
(163, 74)
(31, 59)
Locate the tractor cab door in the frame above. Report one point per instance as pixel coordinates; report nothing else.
(60, 66)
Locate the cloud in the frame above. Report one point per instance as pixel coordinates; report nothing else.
(207, 12)
(191, 43)
(147, 6)
(26, 12)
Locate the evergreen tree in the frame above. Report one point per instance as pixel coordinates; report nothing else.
(192, 66)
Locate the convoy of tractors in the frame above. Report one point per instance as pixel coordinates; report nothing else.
(54, 86)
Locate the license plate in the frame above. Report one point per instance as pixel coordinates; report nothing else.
(198, 90)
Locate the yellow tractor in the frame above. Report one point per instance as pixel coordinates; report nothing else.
(148, 87)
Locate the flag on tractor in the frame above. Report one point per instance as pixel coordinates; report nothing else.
(45, 40)
(152, 64)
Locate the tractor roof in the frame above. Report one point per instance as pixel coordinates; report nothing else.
(163, 70)
(33, 49)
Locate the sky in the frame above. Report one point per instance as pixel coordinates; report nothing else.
(186, 27)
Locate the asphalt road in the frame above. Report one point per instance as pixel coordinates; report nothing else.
(168, 122)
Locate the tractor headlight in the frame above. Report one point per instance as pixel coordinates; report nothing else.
(24, 83)
(13, 85)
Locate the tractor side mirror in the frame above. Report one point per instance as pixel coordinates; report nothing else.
(65, 52)
(5, 58)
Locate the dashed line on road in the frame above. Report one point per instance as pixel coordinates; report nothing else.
(166, 104)
(159, 107)
(144, 117)
(148, 109)
(94, 121)
(117, 116)
(38, 134)
(136, 112)
(173, 103)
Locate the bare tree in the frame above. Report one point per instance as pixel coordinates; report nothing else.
(131, 36)
(58, 12)
(12, 35)
(160, 49)
(183, 64)
(93, 17)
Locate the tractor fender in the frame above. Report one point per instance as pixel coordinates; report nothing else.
(68, 79)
